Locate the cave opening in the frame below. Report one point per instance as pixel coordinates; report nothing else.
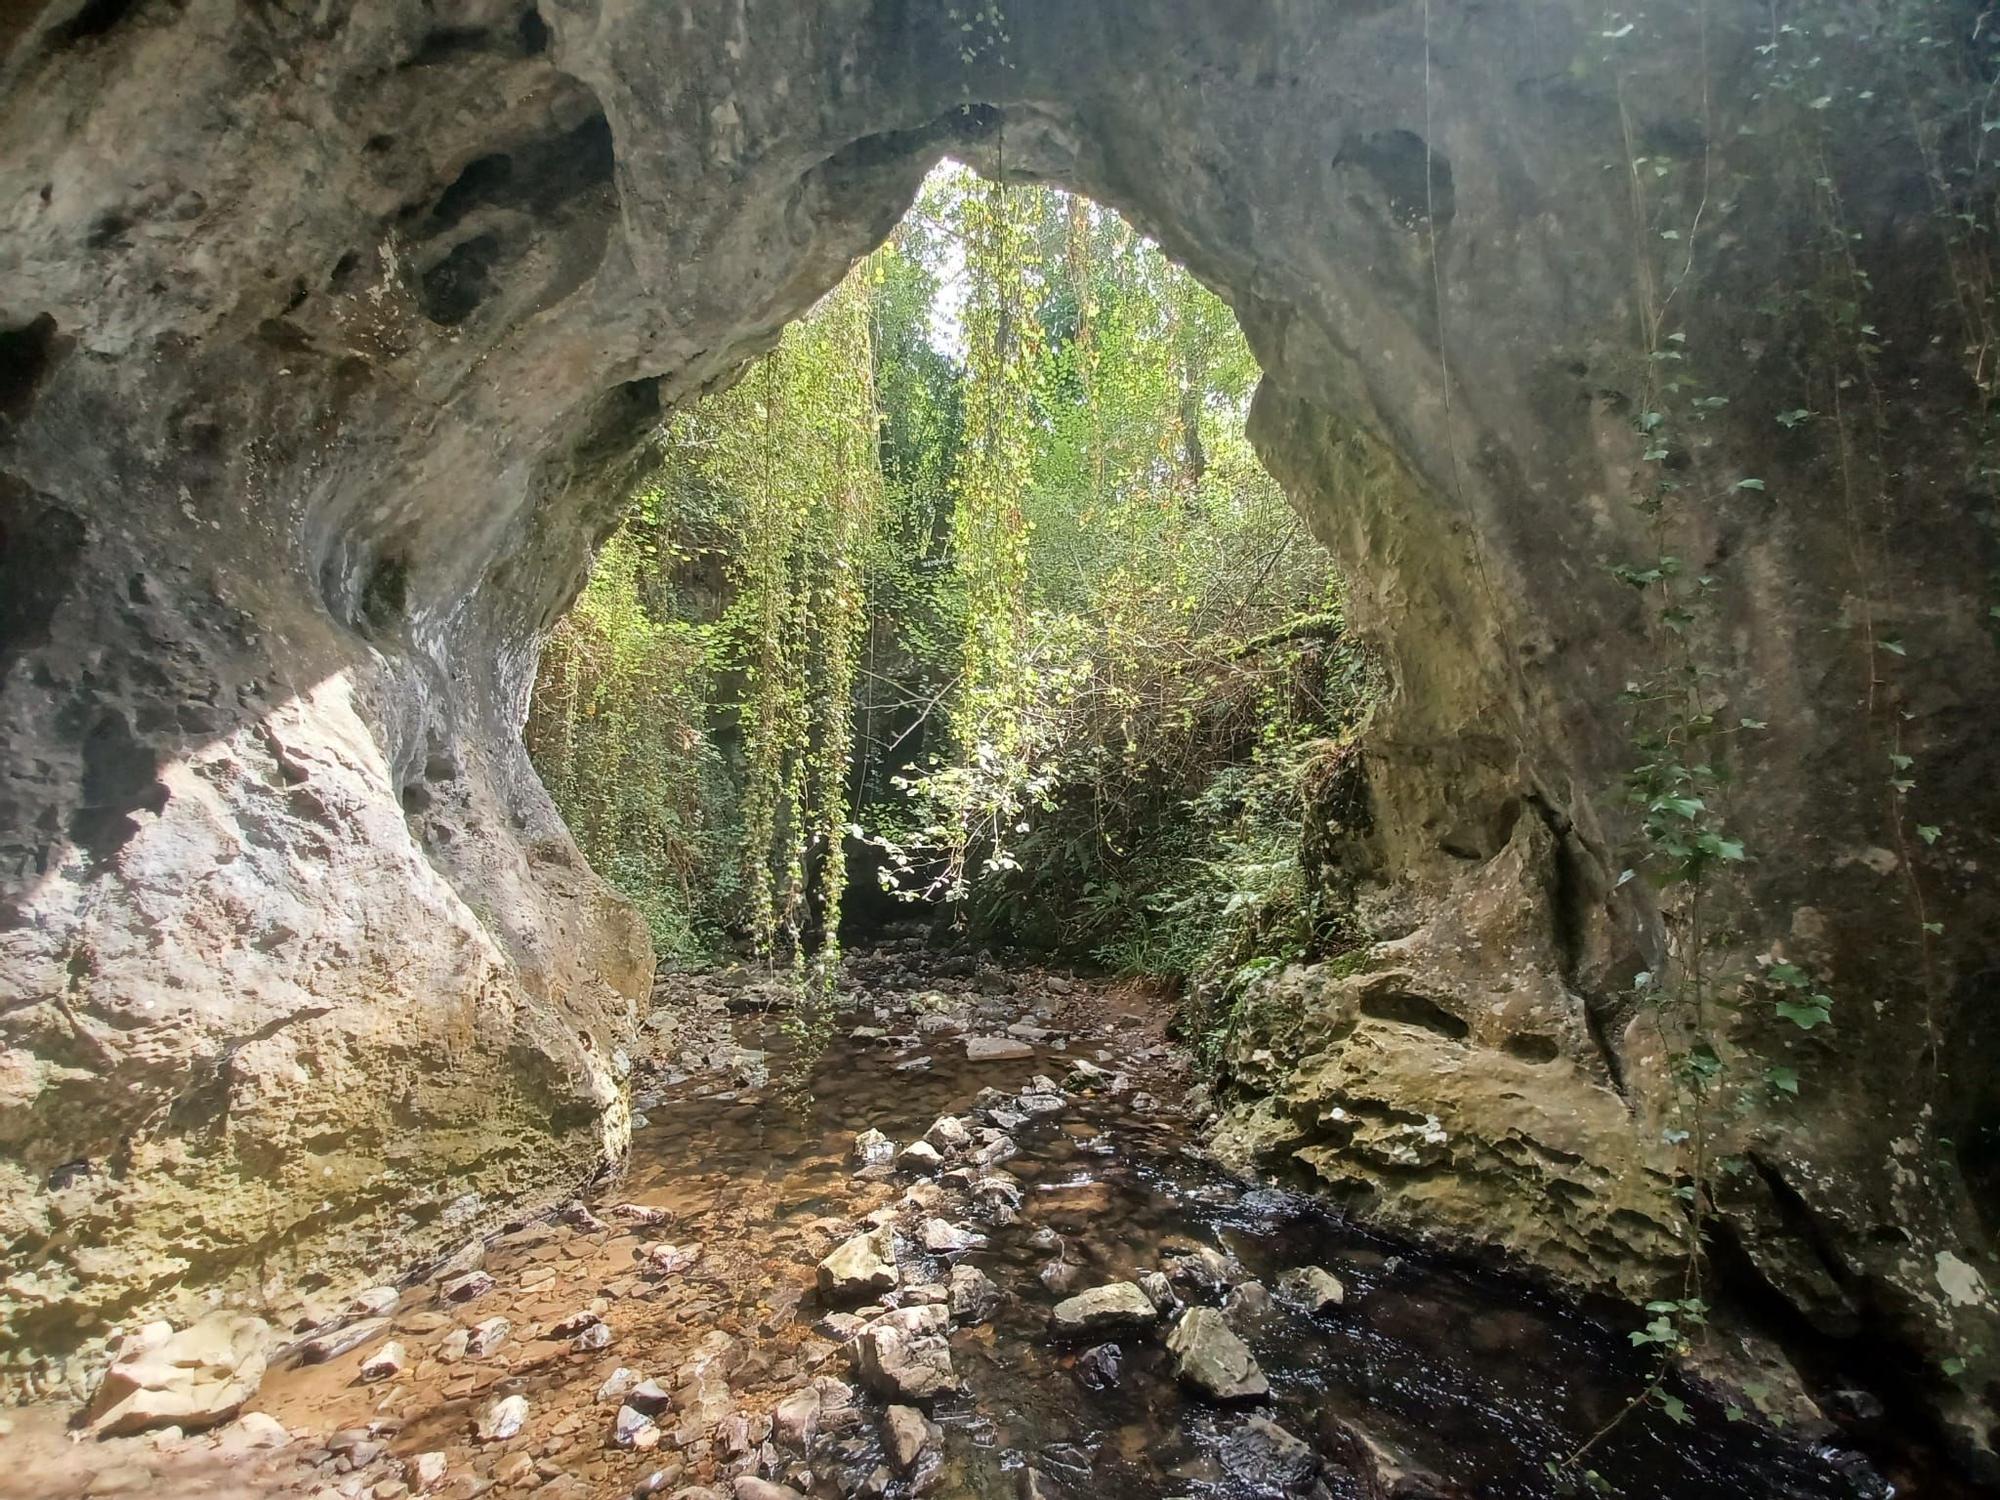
(985, 531)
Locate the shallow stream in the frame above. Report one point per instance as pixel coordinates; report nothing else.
(1430, 1379)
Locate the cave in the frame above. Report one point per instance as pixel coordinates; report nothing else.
(329, 338)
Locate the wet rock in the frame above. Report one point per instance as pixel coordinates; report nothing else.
(750, 1487)
(465, 1286)
(330, 1346)
(906, 1432)
(1033, 1484)
(193, 1379)
(1210, 1357)
(1033, 1104)
(904, 1354)
(942, 1238)
(1203, 1267)
(486, 1336)
(1313, 1288)
(385, 1363)
(948, 1134)
(795, 1419)
(1249, 1300)
(861, 1267)
(1060, 1276)
(996, 1049)
(1160, 1291)
(920, 1156)
(1028, 1031)
(1143, 1103)
(872, 1148)
(995, 1147)
(1100, 1366)
(973, 1295)
(502, 1419)
(1120, 1304)
(629, 1424)
(1266, 1459)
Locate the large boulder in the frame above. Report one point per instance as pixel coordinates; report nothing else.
(193, 1379)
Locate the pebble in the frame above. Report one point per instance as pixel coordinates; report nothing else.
(385, 1363)
(503, 1419)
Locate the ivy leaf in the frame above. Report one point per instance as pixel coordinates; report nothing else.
(1750, 484)
(1675, 1408)
(1786, 1080)
(1929, 832)
(1804, 1014)
(1895, 646)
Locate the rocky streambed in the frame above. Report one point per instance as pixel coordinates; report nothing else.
(980, 1254)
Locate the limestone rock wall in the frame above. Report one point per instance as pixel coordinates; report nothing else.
(326, 338)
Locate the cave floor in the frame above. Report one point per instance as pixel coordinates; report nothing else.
(1434, 1377)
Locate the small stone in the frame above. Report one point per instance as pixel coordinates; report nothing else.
(796, 1418)
(1100, 1366)
(629, 1423)
(996, 1049)
(426, 1471)
(750, 1487)
(502, 1420)
(668, 1260)
(919, 1156)
(1268, 1460)
(330, 1346)
(1156, 1286)
(385, 1363)
(861, 1267)
(1248, 1300)
(374, 1302)
(487, 1335)
(1313, 1288)
(872, 1148)
(575, 1323)
(904, 1354)
(640, 1214)
(254, 1429)
(1211, 1358)
(948, 1134)
(648, 1396)
(465, 1286)
(906, 1432)
(594, 1338)
(942, 1238)
(1060, 1276)
(1121, 1304)
(973, 1295)
(1042, 1104)
(617, 1383)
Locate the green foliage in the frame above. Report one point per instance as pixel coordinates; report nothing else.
(618, 729)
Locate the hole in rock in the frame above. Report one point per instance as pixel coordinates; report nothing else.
(1406, 1009)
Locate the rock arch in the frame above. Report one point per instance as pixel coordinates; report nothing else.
(328, 335)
